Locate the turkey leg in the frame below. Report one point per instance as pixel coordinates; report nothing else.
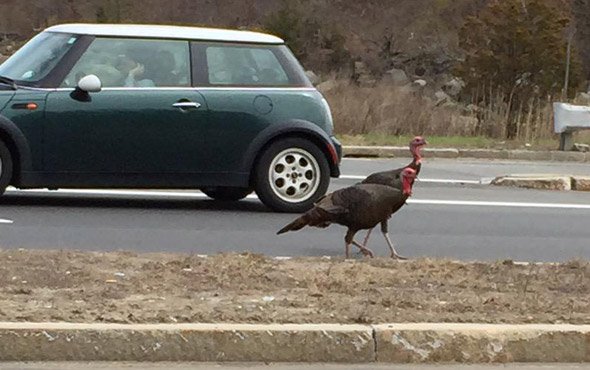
(366, 241)
(349, 240)
(389, 243)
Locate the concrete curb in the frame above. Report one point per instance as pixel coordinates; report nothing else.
(394, 343)
(403, 152)
(186, 342)
(544, 182)
(481, 343)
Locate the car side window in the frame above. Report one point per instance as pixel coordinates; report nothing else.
(244, 66)
(134, 63)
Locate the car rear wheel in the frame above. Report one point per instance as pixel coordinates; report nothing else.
(291, 175)
(227, 194)
(5, 167)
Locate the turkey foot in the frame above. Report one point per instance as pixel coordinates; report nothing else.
(364, 250)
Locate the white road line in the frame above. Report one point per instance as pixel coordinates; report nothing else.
(419, 180)
(199, 195)
(5, 221)
(497, 204)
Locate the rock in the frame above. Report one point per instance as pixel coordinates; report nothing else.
(471, 108)
(327, 85)
(584, 148)
(581, 183)
(360, 68)
(449, 104)
(454, 86)
(440, 97)
(362, 75)
(367, 81)
(420, 83)
(420, 71)
(396, 76)
(315, 79)
(583, 99)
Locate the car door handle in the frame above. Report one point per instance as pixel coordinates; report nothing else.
(187, 105)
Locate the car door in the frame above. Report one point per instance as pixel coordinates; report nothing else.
(146, 120)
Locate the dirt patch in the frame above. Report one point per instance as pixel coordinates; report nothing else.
(136, 288)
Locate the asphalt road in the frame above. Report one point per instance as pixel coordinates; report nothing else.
(199, 366)
(451, 215)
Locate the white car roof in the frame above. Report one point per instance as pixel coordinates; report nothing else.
(166, 32)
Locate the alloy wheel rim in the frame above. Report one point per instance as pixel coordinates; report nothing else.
(294, 175)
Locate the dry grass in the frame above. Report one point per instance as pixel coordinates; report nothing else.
(465, 142)
(386, 110)
(392, 110)
(138, 288)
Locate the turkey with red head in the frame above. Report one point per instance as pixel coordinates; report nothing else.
(392, 177)
(358, 207)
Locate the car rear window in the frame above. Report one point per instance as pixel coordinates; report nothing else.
(249, 65)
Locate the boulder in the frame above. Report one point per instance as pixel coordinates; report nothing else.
(419, 83)
(396, 76)
(584, 148)
(454, 86)
(313, 78)
(327, 85)
(440, 97)
(583, 99)
(581, 183)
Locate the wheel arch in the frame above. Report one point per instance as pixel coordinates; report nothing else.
(291, 129)
(17, 144)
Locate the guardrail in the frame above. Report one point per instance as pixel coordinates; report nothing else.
(567, 119)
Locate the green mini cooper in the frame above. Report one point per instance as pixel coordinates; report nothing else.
(138, 106)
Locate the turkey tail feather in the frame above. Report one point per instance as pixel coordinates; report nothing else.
(298, 224)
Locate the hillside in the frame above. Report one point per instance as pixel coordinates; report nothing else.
(406, 34)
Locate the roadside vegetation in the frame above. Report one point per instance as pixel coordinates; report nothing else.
(124, 287)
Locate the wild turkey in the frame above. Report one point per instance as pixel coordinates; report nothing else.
(392, 177)
(358, 207)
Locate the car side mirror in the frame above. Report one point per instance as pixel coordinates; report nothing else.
(90, 84)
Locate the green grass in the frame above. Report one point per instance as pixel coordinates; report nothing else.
(470, 142)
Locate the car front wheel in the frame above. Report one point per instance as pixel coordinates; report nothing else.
(291, 175)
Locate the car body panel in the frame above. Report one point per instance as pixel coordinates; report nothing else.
(5, 97)
(29, 122)
(237, 117)
(124, 131)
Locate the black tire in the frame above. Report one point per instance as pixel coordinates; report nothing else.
(5, 167)
(226, 194)
(310, 187)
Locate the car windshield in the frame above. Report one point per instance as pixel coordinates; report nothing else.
(38, 57)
